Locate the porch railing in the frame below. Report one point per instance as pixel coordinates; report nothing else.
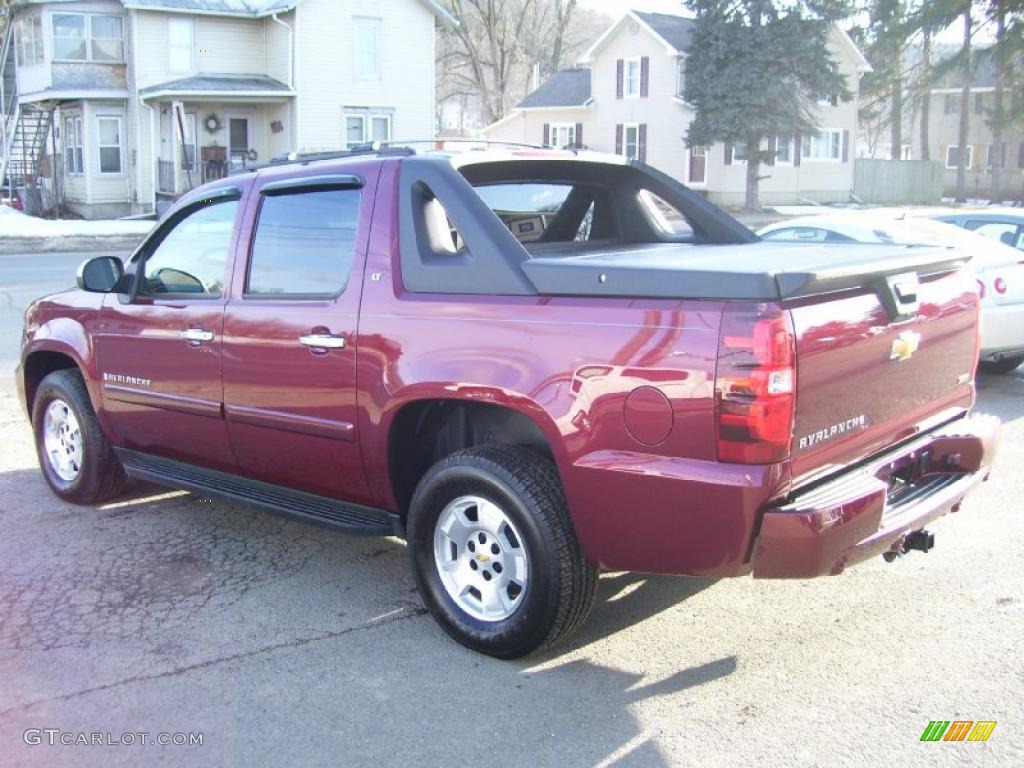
(199, 172)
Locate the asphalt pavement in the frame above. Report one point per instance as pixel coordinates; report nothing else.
(286, 644)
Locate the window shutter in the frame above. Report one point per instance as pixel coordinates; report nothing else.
(645, 75)
(773, 148)
(547, 134)
(618, 139)
(579, 134)
(796, 151)
(641, 141)
(728, 154)
(618, 78)
(846, 146)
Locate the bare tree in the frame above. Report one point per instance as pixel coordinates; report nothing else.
(966, 74)
(492, 53)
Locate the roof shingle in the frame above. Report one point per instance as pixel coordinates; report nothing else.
(565, 88)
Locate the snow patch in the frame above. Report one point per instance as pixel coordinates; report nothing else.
(16, 224)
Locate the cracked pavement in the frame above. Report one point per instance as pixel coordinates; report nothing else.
(289, 644)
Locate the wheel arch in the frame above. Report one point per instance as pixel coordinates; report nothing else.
(423, 430)
(40, 363)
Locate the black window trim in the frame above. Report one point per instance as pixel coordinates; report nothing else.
(300, 186)
(156, 237)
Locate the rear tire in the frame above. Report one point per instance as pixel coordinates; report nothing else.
(494, 552)
(1005, 365)
(77, 461)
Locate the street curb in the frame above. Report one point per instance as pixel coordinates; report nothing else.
(69, 243)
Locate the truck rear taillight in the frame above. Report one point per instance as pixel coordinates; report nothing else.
(755, 385)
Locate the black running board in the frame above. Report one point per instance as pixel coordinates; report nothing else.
(351, 518)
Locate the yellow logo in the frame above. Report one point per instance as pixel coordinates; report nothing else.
(905, 345)
(482, 558)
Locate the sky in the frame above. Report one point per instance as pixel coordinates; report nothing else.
(615, 8)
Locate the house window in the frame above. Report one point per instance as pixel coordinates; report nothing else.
(363, 127)
(739, 153)
(88, 37)
(73, 146)
(562, 135)
(681, 77)
(1020, 156)
(367, 58)
(69, 41)
(979, 103)
(180, 46)
(825, 146)
(951, 104)
(953, 156)
(990, 156)
(29, 46)
(106, 37)
(631, 77)
(783, 151)
(631, 141)
(108, 137)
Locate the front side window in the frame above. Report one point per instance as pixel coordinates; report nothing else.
(69, 39)
(108, 132)
(180, 48)
(304, 243)
(826, 145)
(73, 145)
(367, 54)
(631, 79)
(563, 135)
(29, 45)
(192, 257)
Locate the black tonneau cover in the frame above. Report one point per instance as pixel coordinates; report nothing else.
(764, 271)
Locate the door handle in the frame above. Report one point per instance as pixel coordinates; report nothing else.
(196, 335)
(322, 341)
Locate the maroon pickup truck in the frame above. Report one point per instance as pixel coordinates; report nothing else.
(531, 364)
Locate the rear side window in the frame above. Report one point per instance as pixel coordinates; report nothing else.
(663, 216)
(192, 257)
(304, 244)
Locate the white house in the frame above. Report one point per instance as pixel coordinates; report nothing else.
(626, 97)
(120, 103)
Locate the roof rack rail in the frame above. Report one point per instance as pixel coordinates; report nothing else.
(374, 148)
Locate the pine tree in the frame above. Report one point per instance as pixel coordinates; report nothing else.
(754, 72)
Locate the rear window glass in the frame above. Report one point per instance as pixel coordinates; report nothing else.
(530, 209)
(304, 243)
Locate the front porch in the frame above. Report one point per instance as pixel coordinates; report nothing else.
(206, 128)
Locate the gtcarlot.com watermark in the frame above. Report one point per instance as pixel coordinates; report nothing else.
(55, 736)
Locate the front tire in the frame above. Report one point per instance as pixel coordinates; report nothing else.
(494, 552)
(77, 461)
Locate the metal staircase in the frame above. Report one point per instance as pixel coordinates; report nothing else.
(8, 95)
(24, 128)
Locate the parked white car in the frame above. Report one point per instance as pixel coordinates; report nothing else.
(999, 268)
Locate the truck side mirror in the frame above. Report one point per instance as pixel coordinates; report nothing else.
(100, 275)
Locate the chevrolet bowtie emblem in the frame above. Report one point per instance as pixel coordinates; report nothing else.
(905, 345)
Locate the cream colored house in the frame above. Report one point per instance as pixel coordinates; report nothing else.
(119, 104)
(982, 152)
(626, 97)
